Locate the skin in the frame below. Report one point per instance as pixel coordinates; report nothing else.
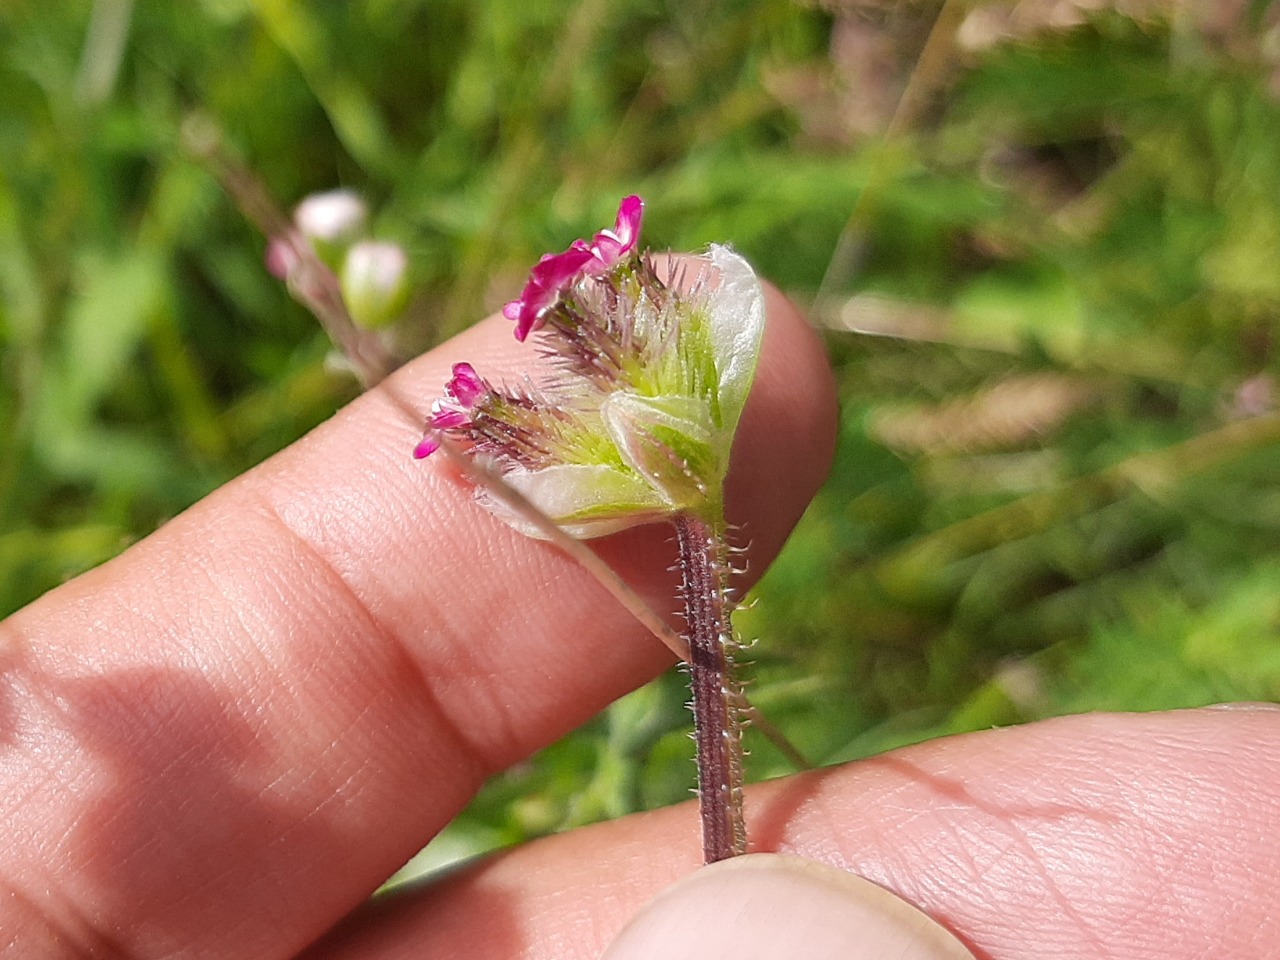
(219, 743)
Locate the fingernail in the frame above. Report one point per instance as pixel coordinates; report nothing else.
(776, 906)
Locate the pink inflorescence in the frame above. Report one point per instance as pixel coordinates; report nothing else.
(508, 424)
(453, 411)
(556, 271)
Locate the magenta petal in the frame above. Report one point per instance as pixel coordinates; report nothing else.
(627, 227)
(466, 386)
(526, 323)
(449, 418)
(605, 251)
(557, 270)
(553, 273)
(428, 445)
(610, 246)
(528, 318)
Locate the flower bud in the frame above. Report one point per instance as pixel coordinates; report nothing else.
(375, 283)
(282, 255)
(331, 221)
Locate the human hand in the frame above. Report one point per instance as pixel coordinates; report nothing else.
(220, 743)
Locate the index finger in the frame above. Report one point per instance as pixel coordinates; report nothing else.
(224, 739)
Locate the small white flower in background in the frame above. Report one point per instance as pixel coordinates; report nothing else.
(372, 275)
(332, 220)
(328, 223)
(374, 278)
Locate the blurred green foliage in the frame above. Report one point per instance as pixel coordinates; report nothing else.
(1051, 294)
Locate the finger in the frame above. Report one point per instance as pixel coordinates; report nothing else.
(226, 738)
(1138, 836)
(763, 906)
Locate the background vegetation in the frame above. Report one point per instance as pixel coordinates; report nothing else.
(1042, 237)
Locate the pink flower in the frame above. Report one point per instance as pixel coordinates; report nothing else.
(556, 271)
(610, 246)
(464, 390)
(466, 386)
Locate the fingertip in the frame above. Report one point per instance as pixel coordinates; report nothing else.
(774, 905)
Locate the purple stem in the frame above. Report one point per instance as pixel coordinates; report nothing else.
(717, 702)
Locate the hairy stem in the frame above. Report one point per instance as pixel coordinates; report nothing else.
(717, 700)
(593, 563)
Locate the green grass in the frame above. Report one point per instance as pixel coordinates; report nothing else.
(1055, 488)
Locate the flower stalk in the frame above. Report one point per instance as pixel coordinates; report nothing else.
(311, 281)
(668, 369)
(651, 374)
(717, 698)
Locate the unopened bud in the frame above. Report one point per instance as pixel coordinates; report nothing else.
(375, 282)
(282, 255)
(332, 221)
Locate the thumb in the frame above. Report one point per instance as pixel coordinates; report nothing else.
(775, 906)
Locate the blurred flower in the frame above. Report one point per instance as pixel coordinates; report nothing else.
(336, 217)
(282, 254)
(328, 223)
(1253, 397)
(651, 374)
(374, 279)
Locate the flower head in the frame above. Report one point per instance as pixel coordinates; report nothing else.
(651, 373)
